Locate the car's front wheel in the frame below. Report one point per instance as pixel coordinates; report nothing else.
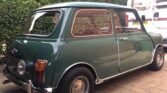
(158, 59)
(78, 80)
(165, 49)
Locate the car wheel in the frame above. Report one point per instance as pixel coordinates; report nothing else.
(78, 80)
(165, 49)
(158, 60)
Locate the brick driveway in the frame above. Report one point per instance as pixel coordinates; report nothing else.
(140, 81)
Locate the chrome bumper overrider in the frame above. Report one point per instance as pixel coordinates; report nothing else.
(31, 89)
(28, 86)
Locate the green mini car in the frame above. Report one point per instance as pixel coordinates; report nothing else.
(71, 47)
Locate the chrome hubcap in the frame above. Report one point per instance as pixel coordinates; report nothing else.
(80, 85)
(159, 59)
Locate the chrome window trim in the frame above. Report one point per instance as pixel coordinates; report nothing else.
(90, 35)
(119, 59)
(47, 35)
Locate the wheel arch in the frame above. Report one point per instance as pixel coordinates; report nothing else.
(158, 45)
(153, 53)
(79, 64)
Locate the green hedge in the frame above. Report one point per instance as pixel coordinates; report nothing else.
(13, 16)
(15, 13)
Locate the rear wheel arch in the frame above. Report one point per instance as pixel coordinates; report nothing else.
(78, 65)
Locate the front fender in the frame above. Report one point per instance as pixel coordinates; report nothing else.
(157, 38)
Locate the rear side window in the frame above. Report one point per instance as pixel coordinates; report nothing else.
(88, 22)
(43, 23)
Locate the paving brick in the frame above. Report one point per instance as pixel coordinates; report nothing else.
(141, 81)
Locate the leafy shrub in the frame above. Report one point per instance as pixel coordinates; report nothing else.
(15, 13)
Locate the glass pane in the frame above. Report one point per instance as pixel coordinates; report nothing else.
(44, 23)
(126, 22)
(92, 22)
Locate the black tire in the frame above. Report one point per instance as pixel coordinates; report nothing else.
(165, 49)
(158, 60)
(77, 79)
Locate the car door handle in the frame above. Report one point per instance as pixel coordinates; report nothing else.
(123, 38)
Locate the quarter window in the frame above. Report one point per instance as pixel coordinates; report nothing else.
(89, 22)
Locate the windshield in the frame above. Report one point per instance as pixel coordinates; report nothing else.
(142, 5)
(43, 23)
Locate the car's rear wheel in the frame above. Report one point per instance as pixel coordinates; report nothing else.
(78, 80)
(80, 85)
(158, 59)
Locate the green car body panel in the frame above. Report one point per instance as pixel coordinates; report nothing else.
(105, 55)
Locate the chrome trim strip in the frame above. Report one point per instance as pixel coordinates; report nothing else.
(119, 60)
(78, 63)
(122, 73)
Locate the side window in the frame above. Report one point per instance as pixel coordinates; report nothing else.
(88, 22)
(126, 22)
(44, 23)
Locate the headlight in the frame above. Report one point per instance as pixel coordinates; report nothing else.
(21, 67)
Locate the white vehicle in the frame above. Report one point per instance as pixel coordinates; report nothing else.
(155, 13)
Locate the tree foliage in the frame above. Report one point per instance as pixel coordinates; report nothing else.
(14, 14)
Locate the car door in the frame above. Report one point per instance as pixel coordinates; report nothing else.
(135, 46)
(93, 42)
